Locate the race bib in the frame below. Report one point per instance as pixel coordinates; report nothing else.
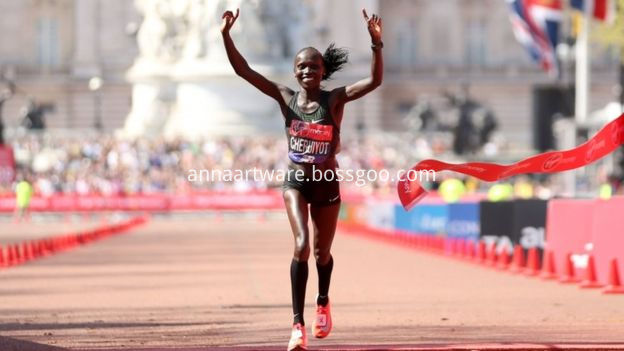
(309, 142)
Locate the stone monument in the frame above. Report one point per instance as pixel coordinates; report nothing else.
(183, 84)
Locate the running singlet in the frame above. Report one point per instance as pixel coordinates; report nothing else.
(312, 137)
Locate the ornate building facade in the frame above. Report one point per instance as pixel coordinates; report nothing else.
(53, 48)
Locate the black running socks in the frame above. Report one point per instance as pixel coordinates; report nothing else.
(298, 280)
(324, 277)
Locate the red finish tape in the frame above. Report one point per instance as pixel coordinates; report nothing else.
(609, 138)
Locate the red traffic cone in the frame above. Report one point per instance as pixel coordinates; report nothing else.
(481, 252)
(459, 248)
(37, 249)
(533, 264)
(17, 255)
(568, 273)
(470, 250)
(21, 250)
(452, 245)
(548, 269)
(3, 262)
(28, 251)
(440, 246)
(518, 263)
(614, 287)
(11, 256)
(503, 259)
(463, 253)
(590, 281)
(490, 255)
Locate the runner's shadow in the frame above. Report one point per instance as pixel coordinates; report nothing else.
(10, 344)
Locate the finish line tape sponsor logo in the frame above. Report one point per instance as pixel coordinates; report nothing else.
(360, 176)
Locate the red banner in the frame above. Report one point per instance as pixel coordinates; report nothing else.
(257, 200)
(604, 142)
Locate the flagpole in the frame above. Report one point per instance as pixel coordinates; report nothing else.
(582, 79)
(582, 69)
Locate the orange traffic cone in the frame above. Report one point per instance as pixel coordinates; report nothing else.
(614, 287)
(548, 269)
(490, 255)
(17, 255)
(568, 274)
(533, 265)
(590, 281)
(518, 263)
(470, 250)
(503, 259)
(3, 263)
(481, 252)
(28, 251)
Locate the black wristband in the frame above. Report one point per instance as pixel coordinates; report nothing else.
(377, 46)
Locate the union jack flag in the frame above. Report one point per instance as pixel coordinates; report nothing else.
(536, 25)
(602, 10)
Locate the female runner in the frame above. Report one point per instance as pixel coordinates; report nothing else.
(312, 118)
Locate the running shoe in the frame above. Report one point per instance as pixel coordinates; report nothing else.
(298, 338)
(322, 323)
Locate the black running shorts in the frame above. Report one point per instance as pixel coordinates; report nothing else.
(324, 192)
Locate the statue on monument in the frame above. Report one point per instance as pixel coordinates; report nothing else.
(181, 55)
(198, 20)
(175, 30)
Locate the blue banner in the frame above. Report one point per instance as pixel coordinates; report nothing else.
(463, 221)
(422, 219)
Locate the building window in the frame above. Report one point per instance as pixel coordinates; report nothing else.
(475, 42)
(406, 53)
(47, 42)
(441, 48)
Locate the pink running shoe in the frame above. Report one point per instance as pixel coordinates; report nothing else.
(323, 323)
(298, 338)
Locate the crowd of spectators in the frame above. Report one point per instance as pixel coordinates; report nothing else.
(106, 165)
(103, 164)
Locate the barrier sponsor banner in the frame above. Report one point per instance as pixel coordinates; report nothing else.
(403, 219)
(608, 236)
(463, 220)
(495, 223)
(380, 214)
(508, 223)
(529, 222)
(153, 202)
(569, 230)
(424, 218)
(432, 219)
